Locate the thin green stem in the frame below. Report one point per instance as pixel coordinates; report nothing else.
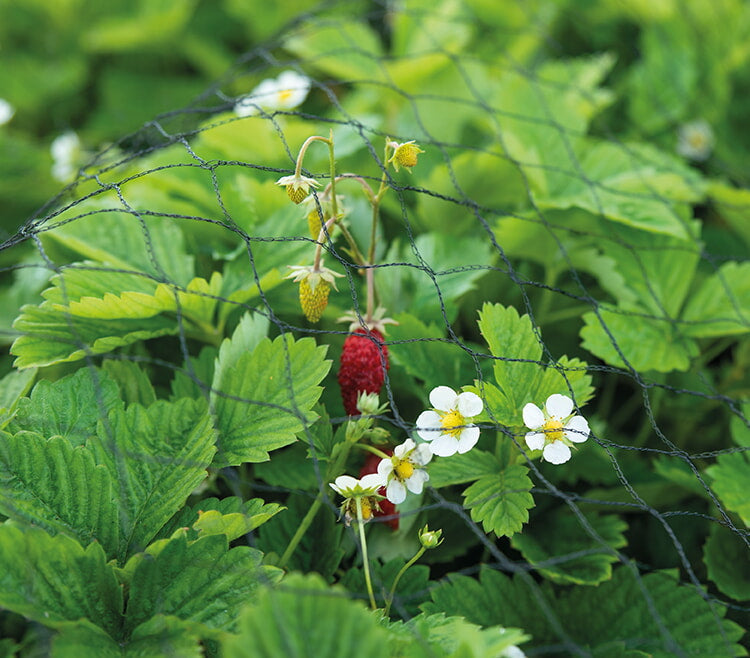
(333, 470)
(332, 165)
(301, 529)
(303, 150)
(365, 560)
(327, 228)
(373, 450)
(392, 593)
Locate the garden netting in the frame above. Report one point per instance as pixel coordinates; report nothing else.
(540, 206)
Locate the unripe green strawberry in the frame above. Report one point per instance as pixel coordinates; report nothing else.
(313, 300)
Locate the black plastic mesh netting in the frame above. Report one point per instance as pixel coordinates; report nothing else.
(575, 224)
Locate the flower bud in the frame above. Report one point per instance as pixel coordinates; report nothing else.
(430, 538)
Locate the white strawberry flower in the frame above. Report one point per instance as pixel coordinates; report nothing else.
(446, 425)
(6, 111)
(554, 429)
(363, 491)
(695, 140)
(66, 154)
(404, 470)
(283, 93)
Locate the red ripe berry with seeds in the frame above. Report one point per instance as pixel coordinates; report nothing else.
(387, 508)
(362, 366)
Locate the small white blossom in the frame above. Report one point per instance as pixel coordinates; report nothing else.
(65, 150)
(283, 93)
(446, 425)
(365, 491)
(512, 652)
(6, 111)
(555, 429)
(404, 470)
(350, 487)
(695, 140)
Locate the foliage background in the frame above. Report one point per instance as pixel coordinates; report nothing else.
(550, 184)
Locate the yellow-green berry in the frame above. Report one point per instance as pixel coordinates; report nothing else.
(313, 300)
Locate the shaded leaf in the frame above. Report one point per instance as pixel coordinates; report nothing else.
(201, 581)
(564, 551)
(56, 486)
(725, 556)
(156, 456)
(69, 407)
(53, 580)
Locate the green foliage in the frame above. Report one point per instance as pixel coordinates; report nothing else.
(303, 615)
(569, 550)
(672, 618)
(266, 397)
(217, 579)
(730, 476)
(725, 555)
(55, 581)
(438, 635)
(58, 487)
(501, 501)
(517, 351)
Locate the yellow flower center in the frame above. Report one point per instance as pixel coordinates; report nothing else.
(366, 508)
(553, 430)
(404, 470)
(453, 423)
(285, 94)
(697, 140)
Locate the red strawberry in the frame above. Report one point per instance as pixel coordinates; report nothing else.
(387, 508)
(362, 361)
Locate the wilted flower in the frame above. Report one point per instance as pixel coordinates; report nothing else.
(446, 425)
(314, 287)
(66, 151)
(283, 93)
(555, 429)
(6, 111)
(404, 470)
(695, 140)
(405, 154)
(297, 187)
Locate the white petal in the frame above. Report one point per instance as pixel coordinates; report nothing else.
(469, 404)
(246, 107)
(559, 405)
(533, 417)
(395, 492)
(416, 481)
(577, 429)
(428, 425)
(385, 468)
(344, 483)
(405, 448)
(421, 455)
(468, 439)
(6, 111)
(556, 452)
(443, 398)
(535, 440)
(372, 481)
(444, 446)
